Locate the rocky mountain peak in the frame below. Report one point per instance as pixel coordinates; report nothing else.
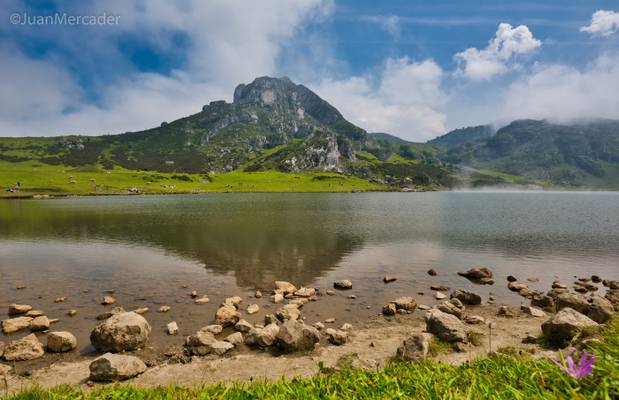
(266, 91)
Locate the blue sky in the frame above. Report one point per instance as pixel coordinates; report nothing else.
(411, 68)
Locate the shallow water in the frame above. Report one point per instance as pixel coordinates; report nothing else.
(147, 248)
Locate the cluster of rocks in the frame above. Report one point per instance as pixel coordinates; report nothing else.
(23, 316)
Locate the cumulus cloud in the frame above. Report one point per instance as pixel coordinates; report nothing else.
(404, 99)
(496, 58)
(228, 42)
(564, 93)
(603, 23)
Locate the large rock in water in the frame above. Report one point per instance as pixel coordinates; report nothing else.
(61, 342)
(405, 303)
(227, 315)
(446, 326)
(121, 332)
(566, 324)
(115, 367)
(478, 274)
(27, 348)
(19, 309)
(415, 348)
(296, 336)
(466, 297)
(15, 324)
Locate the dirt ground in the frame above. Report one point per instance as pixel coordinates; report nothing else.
(371, 346)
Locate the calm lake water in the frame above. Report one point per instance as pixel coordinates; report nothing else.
(147, 248)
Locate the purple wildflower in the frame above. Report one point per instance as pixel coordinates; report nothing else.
(582, 370)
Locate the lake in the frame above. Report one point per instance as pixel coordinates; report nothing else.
(153, 250)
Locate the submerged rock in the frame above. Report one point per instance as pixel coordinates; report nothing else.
(115, 367)
(478, 274)
(389, 279)
(432, 272)
(405, 303)
(39, 324)
(121, 332)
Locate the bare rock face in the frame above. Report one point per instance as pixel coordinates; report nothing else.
(27, 348)
(121, 332)
(445, 326)
(115, 367)
(61, 342)
(296, 336)
(466, 297)
(227, 315)
(566, 324)
(19, 309)
(414, 348)
(15, 324)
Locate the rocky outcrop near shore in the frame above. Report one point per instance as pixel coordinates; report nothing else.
(121, 332)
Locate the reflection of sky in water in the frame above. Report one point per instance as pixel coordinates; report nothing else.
(146, 248)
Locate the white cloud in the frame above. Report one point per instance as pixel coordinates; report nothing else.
(564, 93)
(603, 23)
(229, 42)
(495, 59)
(403, 100)
(390, 23)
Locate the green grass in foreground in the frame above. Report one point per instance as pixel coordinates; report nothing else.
(38, 178)
(495, 377)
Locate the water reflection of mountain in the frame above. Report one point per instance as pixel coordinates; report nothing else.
(259, 243)
(301, 236)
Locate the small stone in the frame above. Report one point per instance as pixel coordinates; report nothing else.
(35, 313)
(529, 339)
(27, 348)
(336, 337)
(115, 367)
(202, 300)
(15, 324)
(61, 299)
(243, 326)
(477, 274)
(253, 308)
(262, 337)
(284, 287)
(61, 342)
(39, 324)
(511, 278)
(533, 311)
(20, 287)
(533, 279)
(596, 279)
(214, 329)
(389, 279)
(258, 294)
(330, 292)
(466, 297)
(330, 320)
(227, 316)
(277, 298)
(439, 287)
(389, 309)
(270, 319)
(298, 302)
(19, 309)
(432, 272)
(415, 348)
(107, 300)
(405, 303)
(423, 307)
(452, 307)
(558, 285)
(110, 313)
(122, 332)
(440, 295)
(141, 310)
(235, 338)
(351, 296)
(233, 301)
(346, 326)
(474, 320)
(319, 325)
(508, 312)
(194, 294)
(221, 347)
(343, 284)
(288, 312)
(305, 292)
(516, 286)
(164, 309)
(172, 328)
